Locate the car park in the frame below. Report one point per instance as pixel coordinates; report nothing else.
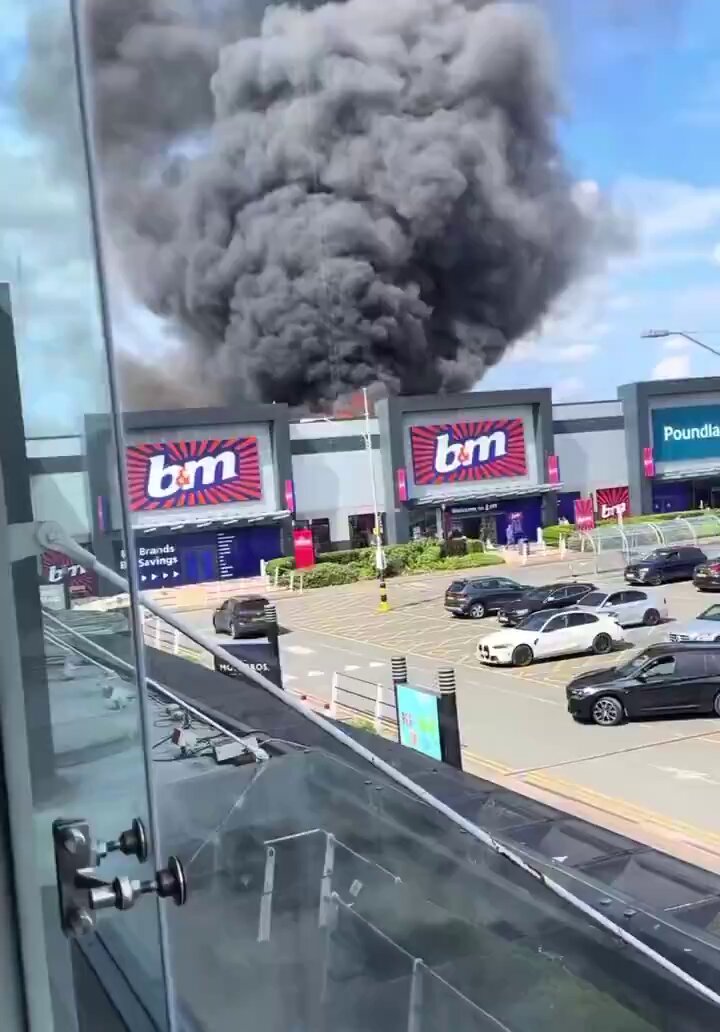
(664, 678)
(550, 633)
(478, 596)
(706, 576)
(630, 606)
(549, 596)
(705, 627)
(242, 616)
(665, 564)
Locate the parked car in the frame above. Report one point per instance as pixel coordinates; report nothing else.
(706, 576)
(479, 596)
(665, 564)
(550, 596)
(664, 678)
(705, 627)
(242, 616)
(630, 607)
(550, 633)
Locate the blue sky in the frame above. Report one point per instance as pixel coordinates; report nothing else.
(641, 86)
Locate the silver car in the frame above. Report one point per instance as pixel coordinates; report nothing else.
(629, 606)
(705, 627)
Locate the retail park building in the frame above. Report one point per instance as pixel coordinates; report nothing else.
(213, 491)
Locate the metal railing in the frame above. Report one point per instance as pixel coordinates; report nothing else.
(52, 535)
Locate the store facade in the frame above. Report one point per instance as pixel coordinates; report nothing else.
(210, 492)
(672, 439)
(479, 465)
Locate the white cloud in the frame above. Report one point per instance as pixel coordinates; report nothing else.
(677, 344)
(665, 208)
(569, 389)
(549, 354)
(673, 367)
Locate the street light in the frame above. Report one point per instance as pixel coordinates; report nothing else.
(377, 530)
(680, 333)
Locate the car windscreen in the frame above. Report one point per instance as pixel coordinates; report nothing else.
(534, 622)
(537, 594)
(250, 605)
(593, 599)
(711, 613)
(632, 666)
(659, 553)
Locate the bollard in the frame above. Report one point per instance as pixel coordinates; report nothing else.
(273, 630)
(398, 670)
(384, 606)
(448, 718)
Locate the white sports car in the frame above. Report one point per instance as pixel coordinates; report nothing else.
(550, 633)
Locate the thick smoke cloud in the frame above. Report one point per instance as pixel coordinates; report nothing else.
(319, 199)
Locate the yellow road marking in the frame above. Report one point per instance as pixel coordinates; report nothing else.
(620, 808)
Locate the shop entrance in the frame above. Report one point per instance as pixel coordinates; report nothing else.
(483, 528)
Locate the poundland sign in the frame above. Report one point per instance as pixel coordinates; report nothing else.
(686, 433)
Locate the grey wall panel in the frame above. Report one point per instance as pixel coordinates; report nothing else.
(592, 460)
(63, 497)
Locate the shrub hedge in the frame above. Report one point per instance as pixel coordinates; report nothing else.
(356, 564)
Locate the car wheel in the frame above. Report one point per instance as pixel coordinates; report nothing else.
(522, 655)
(602, 644)
(716, 704)
(651, 618)
(607, 711)
(235, 630)
(656, 579)
(477, 610)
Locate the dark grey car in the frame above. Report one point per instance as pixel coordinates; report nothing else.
(242, 616)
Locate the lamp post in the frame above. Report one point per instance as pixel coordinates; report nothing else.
(384, 605)
(680, 333)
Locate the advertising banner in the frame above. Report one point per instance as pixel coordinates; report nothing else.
(289, 496)
(691, 432)
(449, 453)
(648, 462)
(176, 474)
(553, 469)
(418, 720)
(259, 653)
(58, 568)
(401, 482)
(612, 502)
(304, 549)
(584, 513)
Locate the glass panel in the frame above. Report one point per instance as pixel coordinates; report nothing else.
(326, 898)
(82, 724)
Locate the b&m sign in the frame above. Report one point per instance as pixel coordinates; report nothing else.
(454, 452)
(175, 474)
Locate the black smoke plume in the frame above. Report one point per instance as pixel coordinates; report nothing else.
(324, 197)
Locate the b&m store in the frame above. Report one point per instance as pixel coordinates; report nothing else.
(212, 492)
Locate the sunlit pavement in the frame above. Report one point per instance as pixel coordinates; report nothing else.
(657, 780)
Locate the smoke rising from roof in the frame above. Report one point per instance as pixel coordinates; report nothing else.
(322, 198)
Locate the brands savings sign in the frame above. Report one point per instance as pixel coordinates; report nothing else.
(449, 453)
(175, 474)
(691, 432)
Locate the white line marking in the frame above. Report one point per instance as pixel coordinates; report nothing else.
(351, 666)
(376, 664)
(289, 677)
(299, 650)
(314, 673)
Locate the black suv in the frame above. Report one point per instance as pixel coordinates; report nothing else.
(665, 564)
(549, 596)
(665, 678)
(482, 595)
(242, 616)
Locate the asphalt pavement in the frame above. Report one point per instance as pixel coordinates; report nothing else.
(659, 777)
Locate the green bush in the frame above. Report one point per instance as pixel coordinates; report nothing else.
(361, 571)
(283, 564)
(474, 546)
(467, 562)
(327, 574)
(347, 555)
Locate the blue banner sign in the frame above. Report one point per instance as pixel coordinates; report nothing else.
(419, 720)
(692, 432)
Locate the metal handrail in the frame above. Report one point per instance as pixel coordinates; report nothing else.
(52, 535)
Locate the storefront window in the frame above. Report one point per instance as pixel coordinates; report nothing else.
(362, 530)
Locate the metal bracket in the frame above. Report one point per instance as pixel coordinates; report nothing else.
(81, 891)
